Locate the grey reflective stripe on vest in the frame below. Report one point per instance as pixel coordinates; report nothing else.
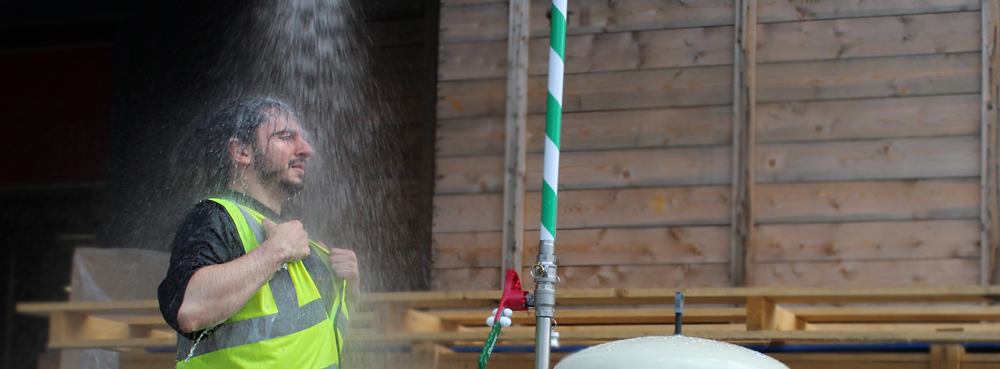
(258, 230)
(340, 321)
(255, 330)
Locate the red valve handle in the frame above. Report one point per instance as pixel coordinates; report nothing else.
(513, 297)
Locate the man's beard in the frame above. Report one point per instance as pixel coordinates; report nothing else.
(268, 174)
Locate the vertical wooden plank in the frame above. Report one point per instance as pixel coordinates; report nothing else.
(426, 355)
(744, 137)
(764, 315)
(947, 356)
(517, 123)
(989, 237)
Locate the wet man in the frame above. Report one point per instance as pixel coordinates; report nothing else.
(246, 288)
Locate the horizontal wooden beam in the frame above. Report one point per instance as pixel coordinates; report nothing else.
(857, 119)
(600, 316)
(709, 205)
(488, 21)
(138, 307)
(940, 272)
(672, 127)
(902, 158)
(665, 296)
(873, 314)
(777, 243)
(779, 42)
(590, 247)
(800, 274)
(920, 75)
(608, 276)
(746, 337)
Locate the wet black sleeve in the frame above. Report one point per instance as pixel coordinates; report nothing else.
(206, 237)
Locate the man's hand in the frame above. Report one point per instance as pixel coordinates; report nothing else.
(287, 240)
(343, 263)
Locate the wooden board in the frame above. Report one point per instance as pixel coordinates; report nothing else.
(887, 314)
(869, 77)
(775, 243)
(868, 201)
(688, 126)
(904, 158)
(702, 165)
(923, 116)
(516, 136)
(595, 53)
(709, 205)
(711, 296)
(584, 277)
(589, 247)
(869, 37)
(795, 10)
(869, 273)
(594, 91)
(919, 75)
(489, 21)
(705, 46)
(663, 206)
(606, 316)
(933, 239)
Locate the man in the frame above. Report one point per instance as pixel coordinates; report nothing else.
(246, 288)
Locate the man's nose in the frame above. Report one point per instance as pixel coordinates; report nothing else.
(304, 149)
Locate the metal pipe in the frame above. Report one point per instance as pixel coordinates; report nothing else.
(542, 338)
(544, 272)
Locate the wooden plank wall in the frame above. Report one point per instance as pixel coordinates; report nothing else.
(867, 143)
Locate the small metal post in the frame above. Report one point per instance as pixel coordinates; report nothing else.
(678, 312)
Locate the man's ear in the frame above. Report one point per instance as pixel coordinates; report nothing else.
(240, 153)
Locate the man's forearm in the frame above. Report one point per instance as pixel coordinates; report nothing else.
(216, 292)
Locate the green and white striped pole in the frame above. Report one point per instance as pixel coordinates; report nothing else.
(545, 265)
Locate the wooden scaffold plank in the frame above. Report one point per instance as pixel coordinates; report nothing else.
(744, 140)
(990, 220)
(516, 139)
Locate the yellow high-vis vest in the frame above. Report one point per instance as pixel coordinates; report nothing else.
(296, 330)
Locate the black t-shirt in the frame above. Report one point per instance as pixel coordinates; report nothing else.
(208, 236)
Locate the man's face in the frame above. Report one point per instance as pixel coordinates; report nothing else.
(281, 153)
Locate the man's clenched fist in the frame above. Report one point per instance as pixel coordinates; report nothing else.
(344, 264)
(287, 240)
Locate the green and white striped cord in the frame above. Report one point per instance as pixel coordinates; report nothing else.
(553, 120)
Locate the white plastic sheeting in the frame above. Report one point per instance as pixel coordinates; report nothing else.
(111, 275)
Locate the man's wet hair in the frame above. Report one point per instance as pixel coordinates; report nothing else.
(239, 119)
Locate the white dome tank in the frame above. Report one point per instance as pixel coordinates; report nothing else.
(674, 352)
